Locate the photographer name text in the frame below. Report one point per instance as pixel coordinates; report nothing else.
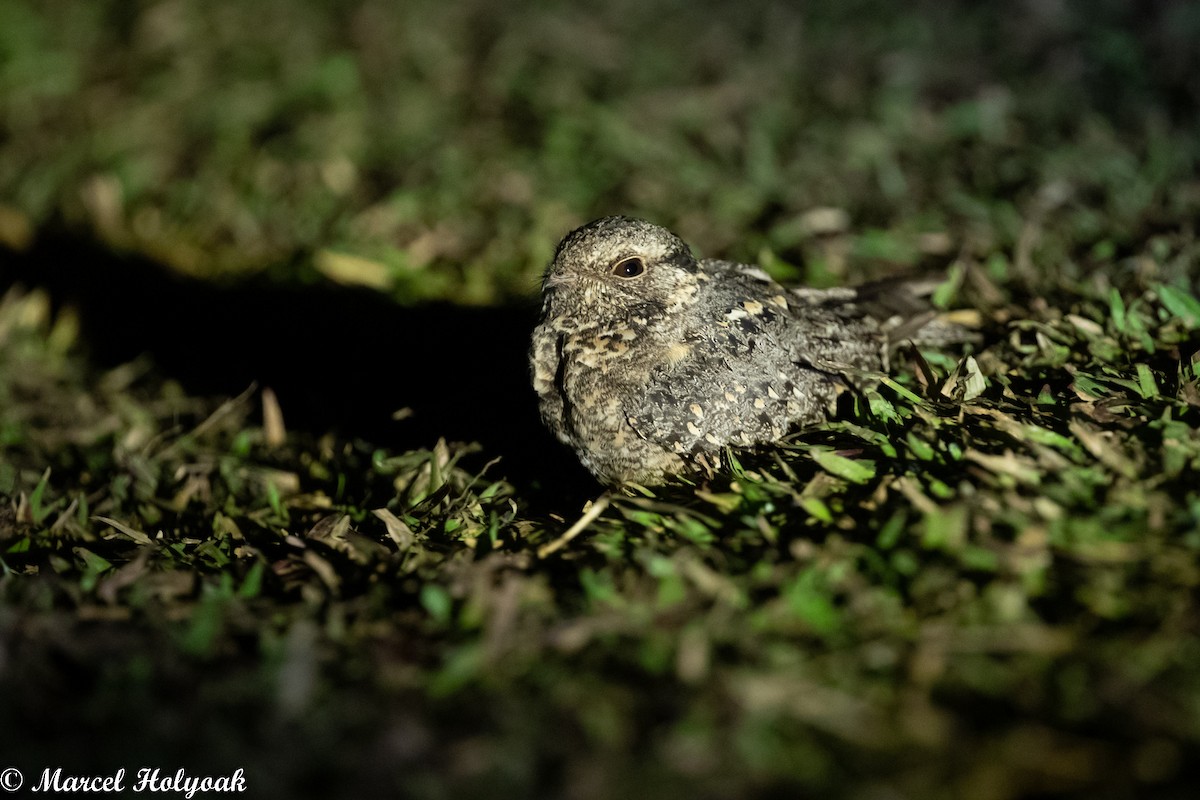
(147, 779)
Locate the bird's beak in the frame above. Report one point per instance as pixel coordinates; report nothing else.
(557, 279)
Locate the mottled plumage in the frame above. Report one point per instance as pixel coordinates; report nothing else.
(648, 362)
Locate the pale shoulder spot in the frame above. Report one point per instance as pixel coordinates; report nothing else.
(678, 352)
(736, 313)
(753, 307)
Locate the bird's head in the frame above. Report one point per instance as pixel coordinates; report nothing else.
(619, 269)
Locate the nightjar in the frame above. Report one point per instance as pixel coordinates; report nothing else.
(648, 362)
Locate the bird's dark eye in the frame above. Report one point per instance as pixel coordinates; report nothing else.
(629, 267)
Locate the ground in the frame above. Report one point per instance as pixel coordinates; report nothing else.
(273, 490)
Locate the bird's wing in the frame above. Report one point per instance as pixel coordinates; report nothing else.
(902, 307)
(545, 357)
(737, 378)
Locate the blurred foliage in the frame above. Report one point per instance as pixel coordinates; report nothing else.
(981, 581)
(440, 150)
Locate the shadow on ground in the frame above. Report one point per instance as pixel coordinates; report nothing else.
(340, 359)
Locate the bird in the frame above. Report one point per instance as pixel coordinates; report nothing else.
(649, 362)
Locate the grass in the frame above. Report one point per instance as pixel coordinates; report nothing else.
(981, 580)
